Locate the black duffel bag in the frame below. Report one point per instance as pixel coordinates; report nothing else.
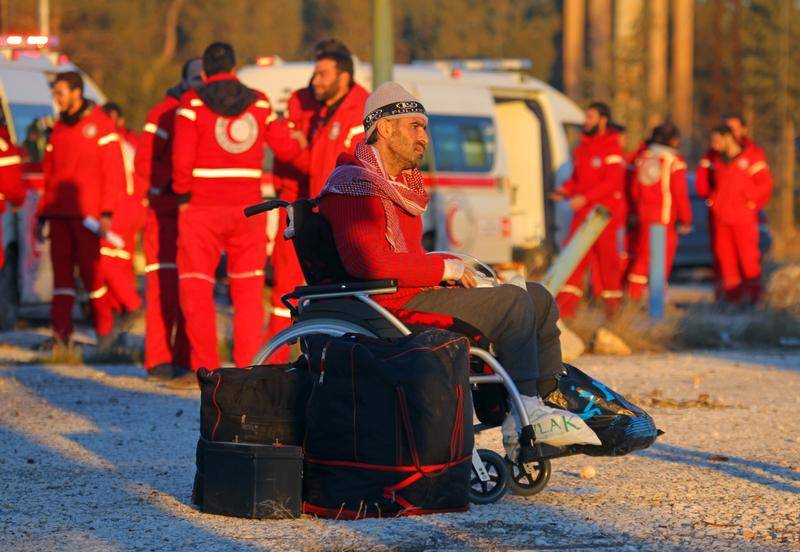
(621, 426)
(264, 405)
(389, 426)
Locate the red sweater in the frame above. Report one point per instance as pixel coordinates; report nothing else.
(83, 168)
(359, 230)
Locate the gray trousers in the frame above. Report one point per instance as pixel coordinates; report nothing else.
(520, 324)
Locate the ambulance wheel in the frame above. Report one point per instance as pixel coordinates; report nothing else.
(525, 483)
(487, 492)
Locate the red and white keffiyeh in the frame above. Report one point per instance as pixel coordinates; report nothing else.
(408, 192)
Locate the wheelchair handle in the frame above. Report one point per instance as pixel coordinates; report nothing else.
(266, 206)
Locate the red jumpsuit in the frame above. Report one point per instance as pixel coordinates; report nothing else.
(599, 176)
(83, 172)
(217, 156)
(661, 196)
(291, 183)
(165, 333)
(736, 190)
(11, 187)
(129, 217)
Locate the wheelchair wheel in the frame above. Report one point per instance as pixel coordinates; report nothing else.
(493, 489)
(528, 479)
(323, 326)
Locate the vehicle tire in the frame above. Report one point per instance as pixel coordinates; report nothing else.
(522, 483)
(488, 492)
(9, 296)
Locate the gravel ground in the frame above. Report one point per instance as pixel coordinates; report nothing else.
(97, 458)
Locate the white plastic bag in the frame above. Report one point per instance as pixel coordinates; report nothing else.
(552, 426)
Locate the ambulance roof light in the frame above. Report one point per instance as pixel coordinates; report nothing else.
(267, 61)
(27, 41)
(503, 64)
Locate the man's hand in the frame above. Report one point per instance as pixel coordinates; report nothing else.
(684, 229)
(577, 202)
(558, 194)
(468, 279)
(300, 137)
(105, 224)
(457, 272)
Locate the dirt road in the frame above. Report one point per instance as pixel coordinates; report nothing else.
(97, 458)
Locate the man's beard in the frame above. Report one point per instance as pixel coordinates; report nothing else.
(592, 131)
(330, 92)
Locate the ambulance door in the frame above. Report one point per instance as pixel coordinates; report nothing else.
(520, 132)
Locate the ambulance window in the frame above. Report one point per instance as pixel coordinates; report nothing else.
(31, 124)
(462, 144)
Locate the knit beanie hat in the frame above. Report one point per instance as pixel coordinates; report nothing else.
(390, 101)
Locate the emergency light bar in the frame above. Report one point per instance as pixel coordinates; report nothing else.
(27, 41)
(267, 61)
(505, 64)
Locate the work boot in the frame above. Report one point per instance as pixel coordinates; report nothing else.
(163, 372)
(105, 343)
(186, 381)
(52, 343)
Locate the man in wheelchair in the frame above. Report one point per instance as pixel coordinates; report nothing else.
(373, 202)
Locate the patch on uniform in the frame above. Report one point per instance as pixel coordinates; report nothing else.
(649, 172)
(742, 164)
(596, 162)
(236, 135)
(336, 130)
(90, 131)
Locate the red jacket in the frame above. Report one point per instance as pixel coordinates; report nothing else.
(11, 186)
(291, 182)
(598, 173)
(659, 189)
(738, 187)
(83, 167)
(334, 130)
(220, 131)
(153, 164)
(359, 231)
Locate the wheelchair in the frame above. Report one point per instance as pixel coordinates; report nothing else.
(334, 304)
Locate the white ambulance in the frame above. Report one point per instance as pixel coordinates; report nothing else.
(499, 143)
(26, 71)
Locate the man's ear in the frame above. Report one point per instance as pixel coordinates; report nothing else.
(384, 128)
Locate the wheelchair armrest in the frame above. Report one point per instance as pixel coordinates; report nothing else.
(384, 286)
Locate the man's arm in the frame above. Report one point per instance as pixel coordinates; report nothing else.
(154, 147)
(114, 179)
(762, 178)
(680, 192)
(184, 147)
(359, 230)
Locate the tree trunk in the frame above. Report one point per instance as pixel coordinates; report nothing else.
(170, 45)
(574, 16)
(657, 62)
(682, 68)
(600, 17)
(629, 68)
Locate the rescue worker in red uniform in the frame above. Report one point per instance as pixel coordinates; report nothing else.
(597, 179)
(220, 129)
(332, 124)
(739, 185)
(11, 187)
(116, 254)
(661, 196)
(166, 351)
(83, 173)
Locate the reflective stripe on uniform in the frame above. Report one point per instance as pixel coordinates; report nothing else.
(574, 290)
(98, 293)
(64, 291)
(227, 173)
(271, 117)
(188, 113)
(153, 128)
(678, 166)
(705, 163)
(637, 279)
(159, 266)
(611, 294)
(4, 145)
(196, 102)
(197, 276)
(116, 253)
(281, 312)
(757, 167)
(107, 139)
(262, 103)
(10, 160)
(352, 133)
(614, 159)
(48, 147)
(251, 274)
